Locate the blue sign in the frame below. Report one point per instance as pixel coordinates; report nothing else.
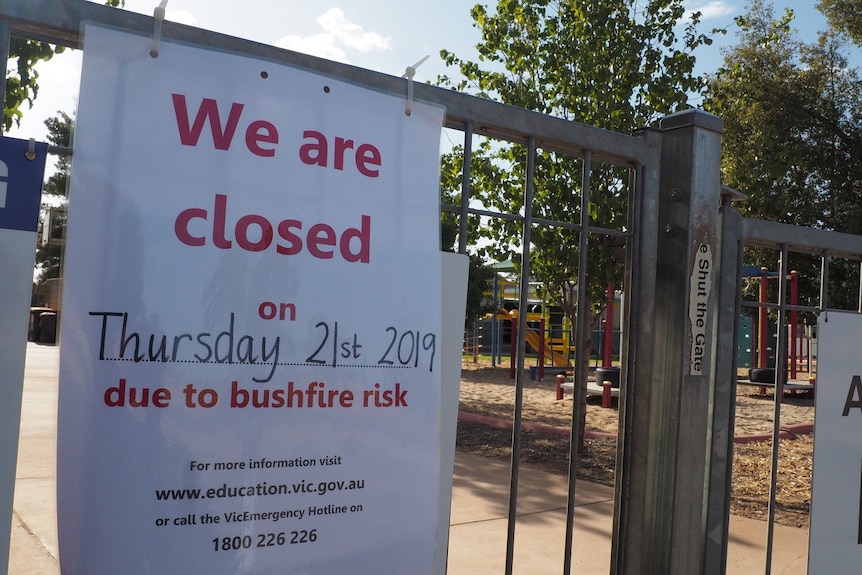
(21, 183)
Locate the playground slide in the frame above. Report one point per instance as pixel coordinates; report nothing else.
(558, 359)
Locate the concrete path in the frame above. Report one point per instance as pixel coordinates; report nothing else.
(477, 543)
(33, 548)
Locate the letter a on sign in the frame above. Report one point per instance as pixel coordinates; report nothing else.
(854, 395)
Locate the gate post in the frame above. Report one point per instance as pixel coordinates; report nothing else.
(668, 520)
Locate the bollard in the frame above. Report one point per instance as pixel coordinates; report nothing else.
(606, 394)
(561, 378)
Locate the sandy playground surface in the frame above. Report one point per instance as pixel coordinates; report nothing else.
(490, 391)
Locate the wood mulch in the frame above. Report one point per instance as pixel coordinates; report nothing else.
(489, 391)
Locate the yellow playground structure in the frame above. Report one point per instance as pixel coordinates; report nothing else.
(549, 334)
(558, 358)
(552, 342)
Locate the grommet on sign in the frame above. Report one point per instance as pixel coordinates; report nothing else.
(159, 17)
(409, 73)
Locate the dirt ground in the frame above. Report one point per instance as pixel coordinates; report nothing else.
(489, 391)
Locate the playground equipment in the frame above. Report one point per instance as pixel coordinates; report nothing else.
(546, 321)
(549, 336)
(762, 373)
(542, 346)
(546, 349)
(558, 358)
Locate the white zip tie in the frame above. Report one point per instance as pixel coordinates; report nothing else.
(30, 154)
(159, 16)
(409, 73)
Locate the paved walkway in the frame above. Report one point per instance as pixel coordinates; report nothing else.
(479, 506)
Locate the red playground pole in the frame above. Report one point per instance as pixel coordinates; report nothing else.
(608, 345)
(607, 402)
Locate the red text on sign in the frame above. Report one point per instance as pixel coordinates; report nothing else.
(261, 138)
(255, 233)
(117, 396)
(316, 153)
(258, 132)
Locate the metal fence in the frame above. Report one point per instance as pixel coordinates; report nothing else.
(684, 242)
(791, 248)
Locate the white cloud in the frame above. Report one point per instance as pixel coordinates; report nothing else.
(712, 9)
(339, 34)
(181, 17)
(352, 35)
(322, 45)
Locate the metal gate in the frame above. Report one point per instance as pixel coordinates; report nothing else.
(683, 251)
(828, 258)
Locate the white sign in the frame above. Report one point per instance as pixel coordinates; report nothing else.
(700, 288)
(249, 365)
(836, 500)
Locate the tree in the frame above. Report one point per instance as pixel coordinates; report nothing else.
(845, 16)
(48, 255)
(792, 132)
(607, 63)
(762, 154)
(614, 64)
(22, 85)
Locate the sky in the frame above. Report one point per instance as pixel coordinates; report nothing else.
(379, 35)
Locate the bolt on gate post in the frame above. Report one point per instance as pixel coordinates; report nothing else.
(673, 466)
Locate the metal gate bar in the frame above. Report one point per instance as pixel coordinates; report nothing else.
(780, 362)
(580, 378)
(524, 289)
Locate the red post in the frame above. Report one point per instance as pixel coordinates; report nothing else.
(608, 345)
(607, 400)
(560, 380)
